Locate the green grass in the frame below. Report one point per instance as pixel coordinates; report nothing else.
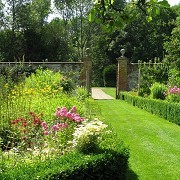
(154, 142)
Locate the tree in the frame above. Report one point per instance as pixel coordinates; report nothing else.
(1, 14)
(22, 33)
(172, 59)
(144, 40)
(112, 16)
(55, 41)
(75, 16)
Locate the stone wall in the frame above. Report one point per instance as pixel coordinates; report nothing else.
(55, 66)
(133, 73)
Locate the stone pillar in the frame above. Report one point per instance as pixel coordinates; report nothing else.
(87, 71)
(122, 77)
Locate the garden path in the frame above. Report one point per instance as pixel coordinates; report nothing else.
(98, 94)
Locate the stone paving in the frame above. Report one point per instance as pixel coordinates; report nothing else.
(98, 94)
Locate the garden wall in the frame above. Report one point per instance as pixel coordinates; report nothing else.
(55, 66)
(133, 73)
(77, 71)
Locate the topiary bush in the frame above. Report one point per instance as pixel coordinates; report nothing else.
(109, 75)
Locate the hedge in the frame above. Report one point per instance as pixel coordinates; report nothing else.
(109, 75)
(108, 163)
(164, 109)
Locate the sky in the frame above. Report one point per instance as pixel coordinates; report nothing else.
(173, 2)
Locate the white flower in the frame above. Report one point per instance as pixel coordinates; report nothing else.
(88, 133)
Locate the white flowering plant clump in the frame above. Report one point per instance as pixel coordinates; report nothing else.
(88, 135)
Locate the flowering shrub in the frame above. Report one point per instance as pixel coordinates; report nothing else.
(32, 131)
(88, 135)
(174, 94)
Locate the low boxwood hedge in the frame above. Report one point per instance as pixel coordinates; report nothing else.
(164, 109)
(107, 163)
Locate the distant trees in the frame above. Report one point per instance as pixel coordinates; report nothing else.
(141, 27)
(21, 34)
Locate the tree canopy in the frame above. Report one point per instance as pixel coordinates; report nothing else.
(104, 26)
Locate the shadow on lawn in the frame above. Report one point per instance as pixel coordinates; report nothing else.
(131, 175)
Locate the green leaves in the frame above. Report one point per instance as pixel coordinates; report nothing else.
(111, 14)
(163, 3)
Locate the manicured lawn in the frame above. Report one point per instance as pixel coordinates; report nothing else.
(154, 142)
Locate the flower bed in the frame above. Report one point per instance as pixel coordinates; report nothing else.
(46, 133)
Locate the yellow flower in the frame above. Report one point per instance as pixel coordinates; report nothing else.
(6, 85)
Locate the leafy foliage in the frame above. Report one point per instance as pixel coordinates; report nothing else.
(151, 73)
(114, 15)
(158, 91)
(173, 58)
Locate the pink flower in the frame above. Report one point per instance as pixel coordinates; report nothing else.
(73, 109)
(45, 132)
(174, 90)
(55, 128)
(44, 125)
(64, 125)
(61, 112)
(68, 114)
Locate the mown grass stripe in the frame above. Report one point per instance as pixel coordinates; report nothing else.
(154, 142)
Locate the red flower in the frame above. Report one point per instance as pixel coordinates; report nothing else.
(24, 123)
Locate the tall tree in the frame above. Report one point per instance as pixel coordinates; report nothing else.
(75, 16)
(56, 44)
(22, 36)
(1, 14)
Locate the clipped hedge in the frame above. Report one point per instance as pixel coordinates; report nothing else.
(106, 164)
(109, 75)
(164, 109)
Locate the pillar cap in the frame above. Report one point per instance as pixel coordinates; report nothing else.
(122, 52)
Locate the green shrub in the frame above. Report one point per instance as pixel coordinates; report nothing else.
(158, 91)
(109, 76)
(67, 84)
(43, 78)
(81, 93)
(164, 109)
